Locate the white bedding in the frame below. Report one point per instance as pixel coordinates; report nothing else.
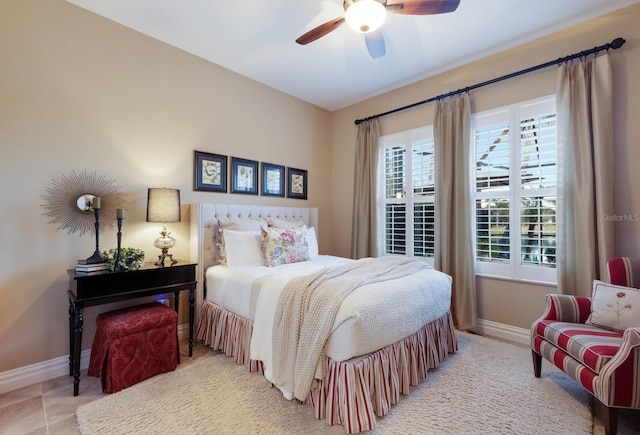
(236, 288)
(361, 326)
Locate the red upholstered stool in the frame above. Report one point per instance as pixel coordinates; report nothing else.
(134, 344)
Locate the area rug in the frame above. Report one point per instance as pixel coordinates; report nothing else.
(487, 387)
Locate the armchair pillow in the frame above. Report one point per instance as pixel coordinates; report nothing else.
(614, 307)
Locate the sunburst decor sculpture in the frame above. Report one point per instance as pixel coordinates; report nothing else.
(69, 201)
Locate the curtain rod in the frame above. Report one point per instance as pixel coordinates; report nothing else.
(615, 44)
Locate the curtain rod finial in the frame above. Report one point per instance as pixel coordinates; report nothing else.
(617, 43)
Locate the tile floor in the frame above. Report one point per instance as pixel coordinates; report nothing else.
(48, 408)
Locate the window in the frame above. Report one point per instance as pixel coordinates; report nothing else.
(407, 193)
(515, 191)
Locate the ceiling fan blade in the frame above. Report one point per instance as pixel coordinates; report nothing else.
(320, 31)
(422, 7)
(375, 43)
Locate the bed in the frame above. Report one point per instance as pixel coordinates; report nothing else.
(377, 343)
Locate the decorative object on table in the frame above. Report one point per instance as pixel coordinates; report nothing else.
(119, 217)
(128, 259)
(210, 172)
(95, 204)
(244, 176)
(163, 206)
(296, 183)
(272, 180)
(68, 201)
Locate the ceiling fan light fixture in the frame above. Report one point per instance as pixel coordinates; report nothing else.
(365, 16)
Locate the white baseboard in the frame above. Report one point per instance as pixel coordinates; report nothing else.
(53, 368)
(43, 371)
(505, 332)
(39, 372)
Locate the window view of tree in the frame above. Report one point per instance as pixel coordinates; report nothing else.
(492, 181)
(492, 230)
(538, 175)
(538, 236)
(515, 187)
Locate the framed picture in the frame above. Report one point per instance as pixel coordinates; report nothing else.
(210, 172)
(296, 183)
(272, 180)
(244, 176)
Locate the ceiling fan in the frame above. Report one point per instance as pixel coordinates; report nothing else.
(366, 16)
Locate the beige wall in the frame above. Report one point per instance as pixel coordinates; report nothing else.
(80, 92)
(502, 301)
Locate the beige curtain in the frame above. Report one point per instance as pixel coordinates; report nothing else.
(585, 159)
(454, 238)
(363, 225)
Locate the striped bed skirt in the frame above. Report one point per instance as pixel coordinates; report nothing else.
(355, 391)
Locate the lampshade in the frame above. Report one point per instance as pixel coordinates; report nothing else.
(163, 205)
(365, 16)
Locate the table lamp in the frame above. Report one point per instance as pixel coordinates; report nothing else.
(163, 206)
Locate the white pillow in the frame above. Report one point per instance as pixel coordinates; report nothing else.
(614, 306)
(243, 248)
(312, 242)
(283, 223)
(236, 224)
(241, 224)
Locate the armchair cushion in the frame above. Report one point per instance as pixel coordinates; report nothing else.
(614, 307)
(590, 345)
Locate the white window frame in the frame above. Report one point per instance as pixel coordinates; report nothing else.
(408, 139)
(513, 269)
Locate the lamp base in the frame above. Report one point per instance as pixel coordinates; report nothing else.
(165, 254)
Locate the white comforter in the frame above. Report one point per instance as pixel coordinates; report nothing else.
(372, 317)
(236, 289)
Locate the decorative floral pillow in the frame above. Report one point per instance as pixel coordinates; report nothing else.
(282, 246)
(614, 306)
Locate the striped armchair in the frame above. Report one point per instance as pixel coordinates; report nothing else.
(604, 361)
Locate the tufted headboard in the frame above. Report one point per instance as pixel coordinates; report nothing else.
(204, 232)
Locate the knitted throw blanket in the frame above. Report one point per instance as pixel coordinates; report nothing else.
(306, 312)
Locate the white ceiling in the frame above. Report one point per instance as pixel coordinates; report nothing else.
(256, 38)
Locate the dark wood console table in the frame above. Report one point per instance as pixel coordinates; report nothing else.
(89, 290)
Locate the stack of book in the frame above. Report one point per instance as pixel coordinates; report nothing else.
(82, 268)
